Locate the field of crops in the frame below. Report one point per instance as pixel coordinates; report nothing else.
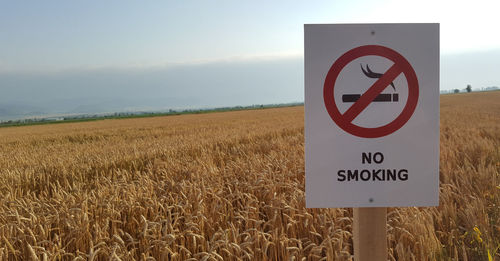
(228, 186)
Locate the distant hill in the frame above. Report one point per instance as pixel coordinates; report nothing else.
(216, 84)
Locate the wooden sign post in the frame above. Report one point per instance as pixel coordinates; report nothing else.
(370, 234)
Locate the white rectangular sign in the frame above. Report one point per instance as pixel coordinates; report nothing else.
(371, 115)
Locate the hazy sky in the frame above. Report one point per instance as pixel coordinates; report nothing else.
(57, 35)
(63, 38)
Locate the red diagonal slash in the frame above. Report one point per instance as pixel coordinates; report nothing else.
(372, 93)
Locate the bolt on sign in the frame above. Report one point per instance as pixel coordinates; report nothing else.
(372, 115)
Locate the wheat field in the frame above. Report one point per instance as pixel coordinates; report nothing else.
(228, 186)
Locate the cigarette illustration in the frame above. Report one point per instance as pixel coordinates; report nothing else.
(383, 97)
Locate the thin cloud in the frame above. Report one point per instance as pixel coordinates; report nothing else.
(153, 66)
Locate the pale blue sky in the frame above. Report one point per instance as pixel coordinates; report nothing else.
(44, 35)
(55, 35)
(71, 49)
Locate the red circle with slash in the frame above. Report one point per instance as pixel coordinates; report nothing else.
(344, 121)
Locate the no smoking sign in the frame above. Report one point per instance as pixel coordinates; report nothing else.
(372, 115)
(344, 120)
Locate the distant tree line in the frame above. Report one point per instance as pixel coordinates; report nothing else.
(136, 114)
(469, 89)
